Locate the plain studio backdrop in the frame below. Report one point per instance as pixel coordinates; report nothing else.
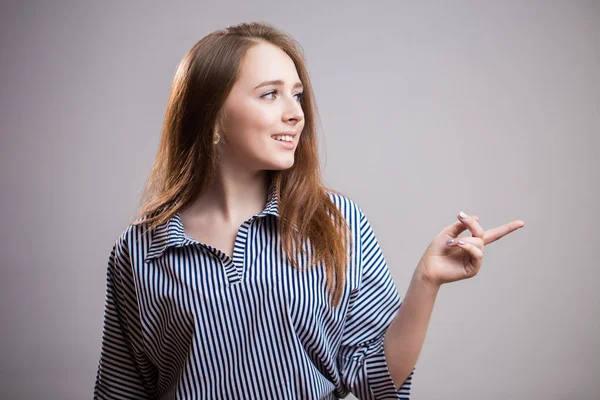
(492, 108)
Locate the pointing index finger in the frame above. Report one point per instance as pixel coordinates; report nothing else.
(498, 232)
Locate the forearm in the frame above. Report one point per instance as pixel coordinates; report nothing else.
(405, 336)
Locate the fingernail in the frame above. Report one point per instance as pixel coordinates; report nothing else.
(462, 215)
(449, 241)
(461, 242)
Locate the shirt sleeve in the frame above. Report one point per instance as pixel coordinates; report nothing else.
(361, 356)
(123, 370)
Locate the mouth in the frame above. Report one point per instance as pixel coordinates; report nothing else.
(286, 142)
(285, 139)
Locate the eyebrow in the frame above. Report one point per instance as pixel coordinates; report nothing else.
(279, 82)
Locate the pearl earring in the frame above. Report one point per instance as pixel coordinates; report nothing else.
(217, 138)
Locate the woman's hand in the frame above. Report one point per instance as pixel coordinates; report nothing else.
(450, 258)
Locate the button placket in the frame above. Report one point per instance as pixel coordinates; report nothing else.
(234, 267)
(239, 250)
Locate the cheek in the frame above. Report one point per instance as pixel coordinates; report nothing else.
(264, 118)
(253, 122)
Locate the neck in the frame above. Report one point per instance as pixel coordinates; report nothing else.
(233, 196)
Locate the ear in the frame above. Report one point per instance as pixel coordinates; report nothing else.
(220, 122)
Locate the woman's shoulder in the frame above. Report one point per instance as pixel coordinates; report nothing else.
(346, 205)
(135, 236)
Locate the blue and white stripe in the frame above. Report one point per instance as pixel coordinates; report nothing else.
(183, 320)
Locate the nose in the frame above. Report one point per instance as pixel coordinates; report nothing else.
(293, 110)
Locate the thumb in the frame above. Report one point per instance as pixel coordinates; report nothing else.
(457, 228)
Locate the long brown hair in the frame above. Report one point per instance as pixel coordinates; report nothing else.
(186, 159)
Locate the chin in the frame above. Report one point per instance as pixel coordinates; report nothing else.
(281, 164)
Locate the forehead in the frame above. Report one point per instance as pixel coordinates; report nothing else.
(265, 61)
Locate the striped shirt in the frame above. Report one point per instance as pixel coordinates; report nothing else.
(183, 320)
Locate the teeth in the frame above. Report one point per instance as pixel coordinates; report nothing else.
(284, 138)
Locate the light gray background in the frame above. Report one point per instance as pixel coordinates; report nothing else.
(488, 107)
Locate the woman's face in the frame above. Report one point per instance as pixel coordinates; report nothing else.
(255, 111)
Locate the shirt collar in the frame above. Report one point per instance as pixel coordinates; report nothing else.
(171, 232)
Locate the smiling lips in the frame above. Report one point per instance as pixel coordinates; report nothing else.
(285, 138)
(286, 141)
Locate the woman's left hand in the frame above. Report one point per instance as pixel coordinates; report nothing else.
(445, 261)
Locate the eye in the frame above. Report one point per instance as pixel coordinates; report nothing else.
(300, 94)
(267, 94)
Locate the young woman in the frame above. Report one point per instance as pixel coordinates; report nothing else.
(243, 276)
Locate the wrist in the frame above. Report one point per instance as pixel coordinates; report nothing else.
(423, 279)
